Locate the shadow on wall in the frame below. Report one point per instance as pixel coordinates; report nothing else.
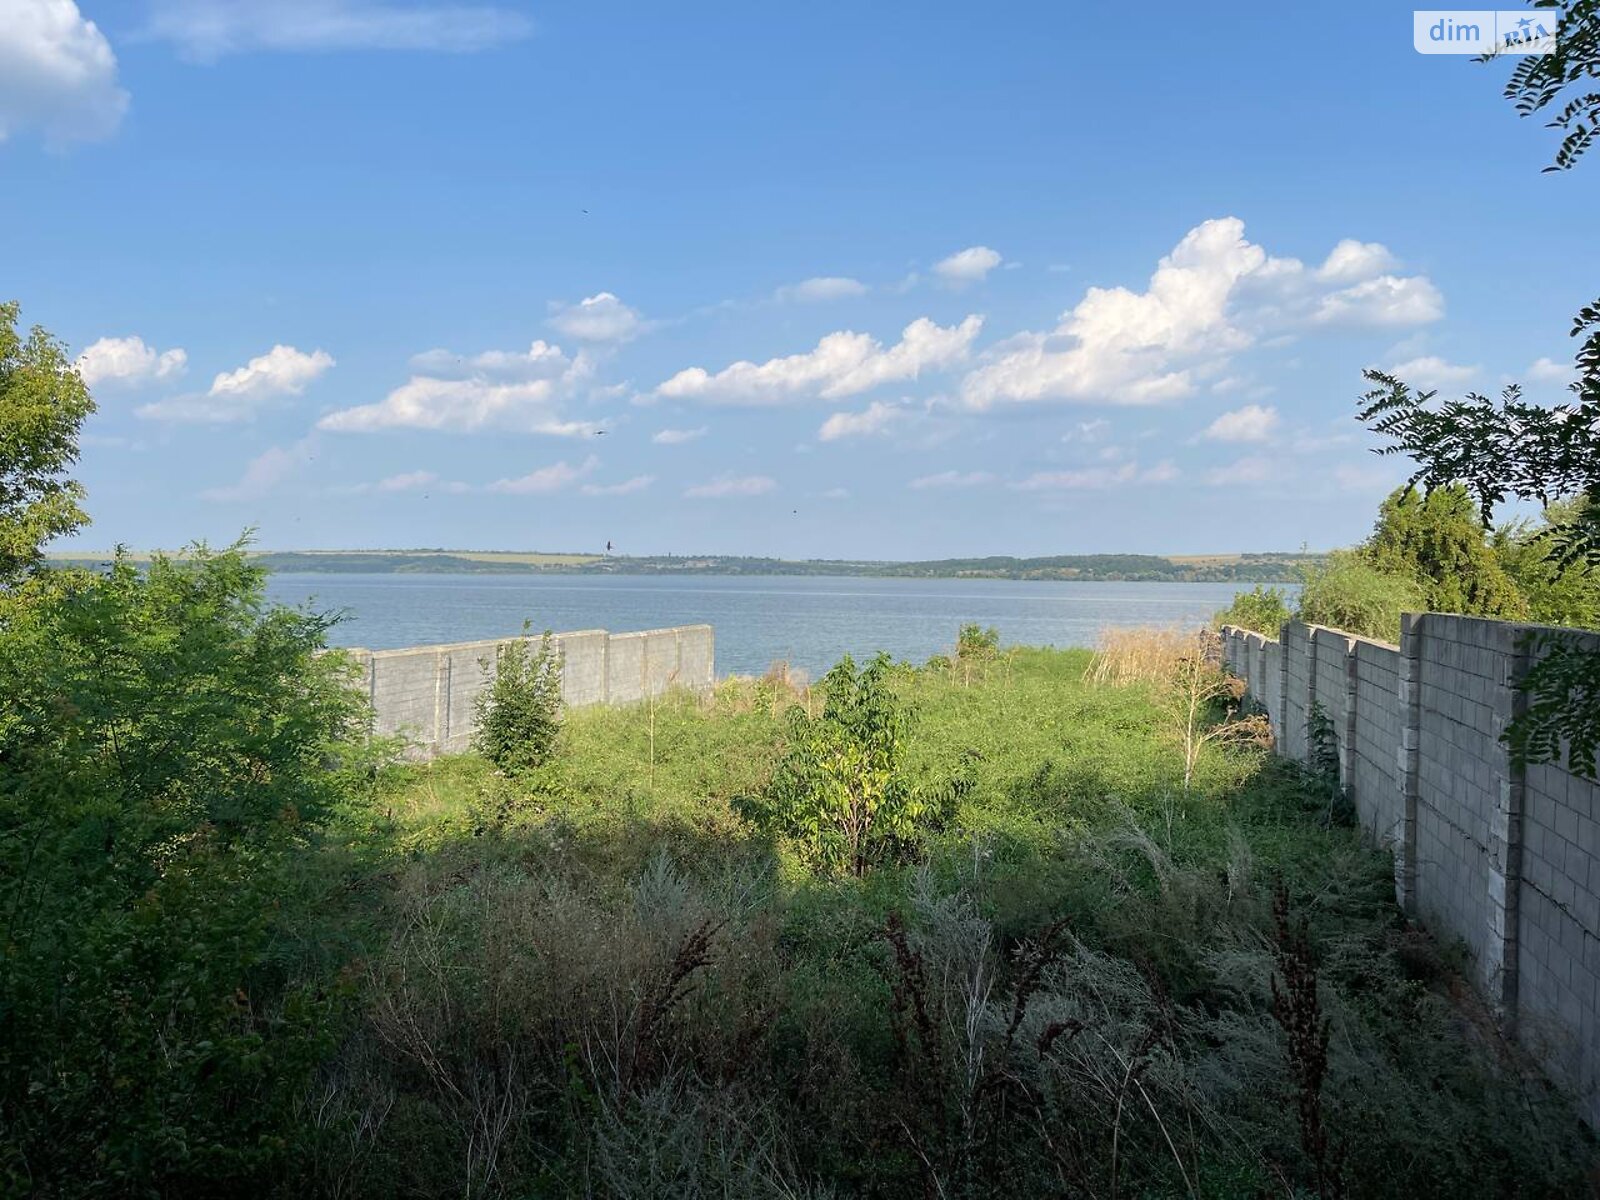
(1505, 857)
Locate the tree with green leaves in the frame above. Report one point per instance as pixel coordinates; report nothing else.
(1510, 449)
(843, 790)
(43, 403)
(1555, 593)
(1435, 538)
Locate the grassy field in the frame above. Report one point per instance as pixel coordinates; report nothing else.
(1086, 981)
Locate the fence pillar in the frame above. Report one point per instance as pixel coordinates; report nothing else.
(1347, 738)
(1311, 685)
(1505, 833)
(1405, 859)
(1281, 734)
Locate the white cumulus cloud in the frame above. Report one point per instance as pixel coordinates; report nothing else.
(129, 361)
(677, 437)
(967, 266)
(209, 29)
(1214, 295)
(626, 488)
(1096, 478)
(265, 472)
(58, 75)
(540, 360)
(406, 482)
(1251, 469)
(877, 418)
(1547, 370)
(545, 480)
(1431, 371)
(239, 395)
(951, 479)
(1386, 301)
(281, 371)
(729, 487)
(600, 318)
(842, 364)
(514, 391)
(822, 287)
(1351, 261)
(1252, 423)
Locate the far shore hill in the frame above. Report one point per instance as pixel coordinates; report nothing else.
(1270, 567)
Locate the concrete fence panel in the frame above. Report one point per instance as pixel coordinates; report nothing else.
(1502, 857)
(427, 694)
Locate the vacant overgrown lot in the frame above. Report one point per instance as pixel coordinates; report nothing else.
(1077, 979)
(1015, 923)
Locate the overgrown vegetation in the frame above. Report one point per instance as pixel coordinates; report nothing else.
(1066, 987)
(170, 750)
(517, 716)
(1263, 609)
(842, 789)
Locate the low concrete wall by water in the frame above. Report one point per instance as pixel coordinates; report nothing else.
(426, 693)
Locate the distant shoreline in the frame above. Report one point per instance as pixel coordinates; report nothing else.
(1106, 568)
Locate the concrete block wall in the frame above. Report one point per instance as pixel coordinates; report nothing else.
(1374, 767)
(426, 693)
(1505, 858)
(1460, 765)
(1558, 918)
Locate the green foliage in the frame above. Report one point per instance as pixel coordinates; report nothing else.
(1436, 539)
(1540, 80)
(519, 714)
(1351, 594)
(1261, 609)
(625, 991)
(842, 788)
(1505, 449)
(169, 745)
(1563, 693)
(1555, 593)
(977, 644)
(43, 403)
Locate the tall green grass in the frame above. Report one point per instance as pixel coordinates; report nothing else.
(596, 979)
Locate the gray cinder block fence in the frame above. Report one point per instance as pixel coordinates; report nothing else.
(1505, 858)
(426, 693)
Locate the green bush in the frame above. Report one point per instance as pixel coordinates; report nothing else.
(1556, 593)
(169, 748)
(842, 788)
(1436, 539)
(519, 714)
(1262, 609)
(1349, 593)
(977, 644)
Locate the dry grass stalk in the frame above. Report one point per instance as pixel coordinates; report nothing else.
(1140, 654)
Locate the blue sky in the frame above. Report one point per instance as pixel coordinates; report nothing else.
(847, 280)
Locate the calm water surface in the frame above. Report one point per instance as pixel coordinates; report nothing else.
(808, 620)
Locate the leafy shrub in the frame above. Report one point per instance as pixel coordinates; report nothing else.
(977, 644)
(1349, 593)
(842, 788)
(1261, 609)
(169, 747)
(1556, 592)
(1436, 539)
(519, 714)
